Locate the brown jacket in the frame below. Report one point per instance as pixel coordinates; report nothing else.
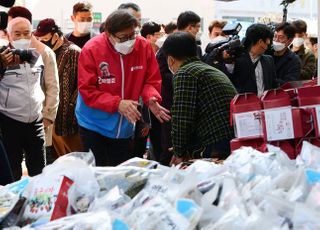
(308, 63)
(67, 59)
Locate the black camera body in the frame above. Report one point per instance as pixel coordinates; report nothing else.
(232, 46)
(24, 55)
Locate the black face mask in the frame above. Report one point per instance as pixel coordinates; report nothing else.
(49, 42)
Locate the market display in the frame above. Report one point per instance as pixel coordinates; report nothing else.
(248, 190)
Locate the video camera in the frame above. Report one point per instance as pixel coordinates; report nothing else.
(232, 46)
(24, 55)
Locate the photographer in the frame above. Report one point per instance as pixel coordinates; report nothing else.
(21, 99)
(252, 70)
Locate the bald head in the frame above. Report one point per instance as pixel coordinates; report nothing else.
(18, 22)
(19, 28)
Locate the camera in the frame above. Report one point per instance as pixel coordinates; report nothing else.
(24, 55)
(232, 46)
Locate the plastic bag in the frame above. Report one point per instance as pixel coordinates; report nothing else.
(309, 156)
(157, 214)
(47, 199)
(83, 221)
(7, 202)
(139, 162)
(131, 180)
(113, 200)
(190, 210)
(313, 200)
(87, 157)
(305, 217)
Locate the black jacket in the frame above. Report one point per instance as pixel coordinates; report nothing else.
(288, 67)
(244, 79)
(167, 80)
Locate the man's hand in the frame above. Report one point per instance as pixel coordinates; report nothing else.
(8, 58)
(175, 160)
(46, 122)
(161, 113)
(128, 108)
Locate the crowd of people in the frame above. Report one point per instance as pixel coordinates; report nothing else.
(109, 92)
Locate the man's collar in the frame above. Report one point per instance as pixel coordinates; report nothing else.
(189, 60)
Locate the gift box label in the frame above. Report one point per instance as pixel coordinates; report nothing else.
(279, 124)
(248, 124)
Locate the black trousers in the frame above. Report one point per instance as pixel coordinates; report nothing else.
(107, 151)
(20, 138)
(140, 143)
(155, 139)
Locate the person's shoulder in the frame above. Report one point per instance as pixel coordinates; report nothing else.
(96, 42)
(48, 54)
(142, 42)
(291, 55)
(94, 34)
(267, 57)
(71, 47)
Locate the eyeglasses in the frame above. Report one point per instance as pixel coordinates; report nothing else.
(127, 37)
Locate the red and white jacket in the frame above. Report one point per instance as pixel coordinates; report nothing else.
(106, 76)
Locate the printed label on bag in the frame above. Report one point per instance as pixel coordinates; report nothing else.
(248, 124)
(279, 124)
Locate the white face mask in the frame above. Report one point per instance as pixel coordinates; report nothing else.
(160, 41)
(297, 42)
(3, 42)
(219, 39)
(278, 46)
(83, 27)
(125, 47)
(21, 44)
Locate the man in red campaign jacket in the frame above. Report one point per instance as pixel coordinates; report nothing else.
(115, 68)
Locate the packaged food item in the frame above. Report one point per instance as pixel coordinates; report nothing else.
(131, 180)
(48, 199)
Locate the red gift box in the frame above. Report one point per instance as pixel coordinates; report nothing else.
(245, 116)
(309, 97)
(280, 120)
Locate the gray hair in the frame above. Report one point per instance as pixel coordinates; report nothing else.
(18, 20)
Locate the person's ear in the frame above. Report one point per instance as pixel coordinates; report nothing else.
(170, 61)
(315, 46)
(149, 37)
(73, 18)
(189, 28)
